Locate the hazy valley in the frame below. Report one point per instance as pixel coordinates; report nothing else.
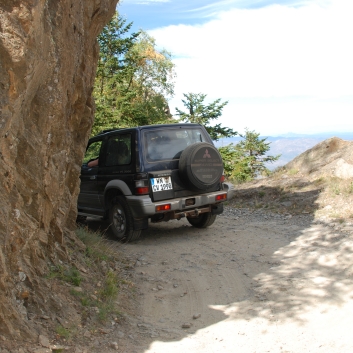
(290, 145)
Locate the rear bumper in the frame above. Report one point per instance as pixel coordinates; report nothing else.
(229, 188)
(142, 206)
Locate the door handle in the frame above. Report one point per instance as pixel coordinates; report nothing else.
(93, 177)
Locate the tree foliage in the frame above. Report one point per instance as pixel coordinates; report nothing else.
(199, 112)
(247, 159)
(134, 79)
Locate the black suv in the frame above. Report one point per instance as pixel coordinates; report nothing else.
(157, 172)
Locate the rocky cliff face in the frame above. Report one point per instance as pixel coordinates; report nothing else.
(48, 55)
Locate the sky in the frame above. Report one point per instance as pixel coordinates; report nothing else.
(283, 66)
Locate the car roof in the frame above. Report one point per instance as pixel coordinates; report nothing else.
(147, 127)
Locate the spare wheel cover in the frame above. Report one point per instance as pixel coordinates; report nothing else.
(201, 166)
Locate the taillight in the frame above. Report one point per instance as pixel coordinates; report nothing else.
(142, 190)
(222, 179)
(221, 197)
(141, 184)
(165, 207)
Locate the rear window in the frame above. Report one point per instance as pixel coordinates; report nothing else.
(169, 143)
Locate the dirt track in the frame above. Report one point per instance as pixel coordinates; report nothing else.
(255, 282)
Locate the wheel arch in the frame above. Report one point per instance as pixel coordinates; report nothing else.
(113, 189)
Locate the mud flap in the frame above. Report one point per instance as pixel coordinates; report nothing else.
(141, 223)
(217, 209)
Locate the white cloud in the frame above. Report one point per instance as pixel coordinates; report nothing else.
(275, 51)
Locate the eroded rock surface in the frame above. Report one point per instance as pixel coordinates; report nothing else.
(332, 157)
(48, 55)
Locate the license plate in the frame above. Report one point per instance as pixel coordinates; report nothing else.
(161, 184)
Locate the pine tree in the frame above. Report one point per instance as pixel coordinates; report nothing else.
(199, 112)
(134, 80)
(247, 159)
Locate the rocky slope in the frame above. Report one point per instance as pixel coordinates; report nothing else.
(48, 52)
(319, 182)
(332, 158)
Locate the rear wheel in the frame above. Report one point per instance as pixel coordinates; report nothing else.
(204, 220)
(121, 220)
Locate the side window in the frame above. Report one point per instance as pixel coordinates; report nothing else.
(92, 153)
(118, 150)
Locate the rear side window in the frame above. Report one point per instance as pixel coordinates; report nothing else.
(118, 150)
(92, 152)
(169, 143)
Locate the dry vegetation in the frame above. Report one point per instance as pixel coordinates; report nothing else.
(289, 191)
(318, 182)
(92, 291)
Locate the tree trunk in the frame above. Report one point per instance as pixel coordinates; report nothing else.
(48, 56)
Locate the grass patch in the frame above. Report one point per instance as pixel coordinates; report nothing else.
(349, 188)
(66, 274)
(85, 299)
(97, 247)
(335, 189)
(63, 332)
(110, 287)
(319, 181)
(107, 295)
(278, 172)
(261, 194)
(340, 186)
(335, 215)
(103, 263)
(293, 171)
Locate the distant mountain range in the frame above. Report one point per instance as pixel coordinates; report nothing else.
(290, 145)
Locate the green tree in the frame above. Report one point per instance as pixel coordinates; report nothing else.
(199, 112)
(112, 71)
(152, 81)
(246, 160)
(134, 80)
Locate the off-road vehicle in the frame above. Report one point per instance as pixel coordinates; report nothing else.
(156, 172)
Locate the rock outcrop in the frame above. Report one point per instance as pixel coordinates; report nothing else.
(48, 56)
(332, 157)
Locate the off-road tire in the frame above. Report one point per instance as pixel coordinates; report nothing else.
(201, 166)
(121, 221)
(81, 219)
(204, 220)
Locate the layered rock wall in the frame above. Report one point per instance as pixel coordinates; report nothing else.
(48, 55)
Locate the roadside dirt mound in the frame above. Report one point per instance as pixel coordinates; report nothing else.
(332, 157)
(319, 182)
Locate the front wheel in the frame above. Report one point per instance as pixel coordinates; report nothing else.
(121, 220)
(81, 219)
(203, 220)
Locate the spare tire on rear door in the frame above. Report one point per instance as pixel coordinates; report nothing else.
(200, 166)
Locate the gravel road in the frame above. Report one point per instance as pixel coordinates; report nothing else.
(252, 282)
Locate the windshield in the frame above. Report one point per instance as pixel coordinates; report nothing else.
(169, 143)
